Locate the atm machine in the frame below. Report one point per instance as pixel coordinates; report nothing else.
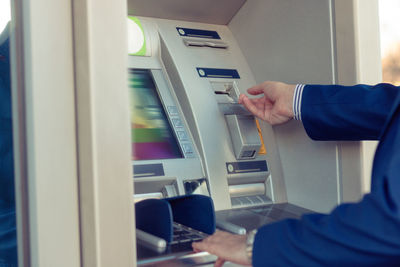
(188, 63)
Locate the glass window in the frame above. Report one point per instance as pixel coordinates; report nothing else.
(390, 40)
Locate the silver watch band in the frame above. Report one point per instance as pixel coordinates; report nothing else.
(249, 244)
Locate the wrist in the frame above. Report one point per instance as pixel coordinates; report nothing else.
(291, 95)
(249, 245)
(297, 96)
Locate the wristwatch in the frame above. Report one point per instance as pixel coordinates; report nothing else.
(249, 244)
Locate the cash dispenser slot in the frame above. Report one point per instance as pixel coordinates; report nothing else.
(242, 190)
(168, 226)
(249, 183)
(249, 195)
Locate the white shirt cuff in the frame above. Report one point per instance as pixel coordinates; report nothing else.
(298, 93)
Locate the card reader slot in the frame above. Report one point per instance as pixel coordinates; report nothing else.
(221, 93)
(226, 88)
(205, 43)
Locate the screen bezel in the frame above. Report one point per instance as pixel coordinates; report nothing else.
(170, 127)
(181, 168)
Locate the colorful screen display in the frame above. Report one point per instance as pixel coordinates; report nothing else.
(152, 134)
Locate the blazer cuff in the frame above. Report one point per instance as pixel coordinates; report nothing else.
(298, 93)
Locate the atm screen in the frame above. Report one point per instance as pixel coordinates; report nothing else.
(152, 135)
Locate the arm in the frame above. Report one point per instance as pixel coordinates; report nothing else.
(328, 112)
(361, 234)
(333, 112)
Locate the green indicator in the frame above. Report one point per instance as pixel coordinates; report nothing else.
(136, 37)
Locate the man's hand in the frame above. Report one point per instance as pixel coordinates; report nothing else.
(226, 246)
(275, 106)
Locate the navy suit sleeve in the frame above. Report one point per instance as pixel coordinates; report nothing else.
(362, 234)
(333, 112)
(359, 234)
(366, 233)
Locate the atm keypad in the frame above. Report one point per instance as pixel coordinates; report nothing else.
(182, 135)
(172, 110)
(183, 234)
(187, 148)
(177, 122)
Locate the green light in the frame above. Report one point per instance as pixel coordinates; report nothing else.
(136, 37)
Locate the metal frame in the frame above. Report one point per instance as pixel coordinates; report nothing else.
(45, 134)
(74, 183)
(103, 130)
(358, 61)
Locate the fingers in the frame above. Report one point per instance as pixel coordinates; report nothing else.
(219, 262)
(210, 243)
(256, 90)
(244, 100)
(199, 246)
(202, 246)
(226, 246)
(205, 245)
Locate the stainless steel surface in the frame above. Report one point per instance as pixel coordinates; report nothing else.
(225, 92)
(247, 178)
(20, 134)
(197, 186)
(312, 22)
(250, 201)
(196, 96)
(190, 259)
(151, 241)
(247, 190)
(170, 191)
(208, 11)
(244, 135)
(253, 218)
(233, 109)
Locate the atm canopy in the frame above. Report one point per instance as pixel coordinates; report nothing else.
(206, 11)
